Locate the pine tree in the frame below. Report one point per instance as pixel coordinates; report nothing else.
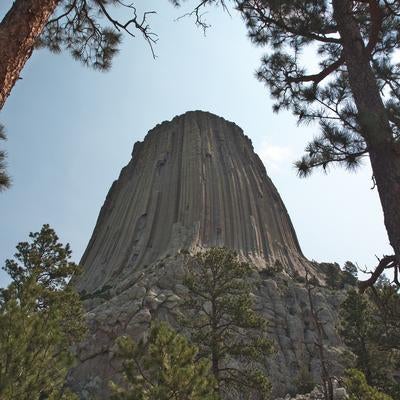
(163, 367)
(382, 281)
(218, 314)
(88, 29)
(304, 381)
(354, 93)
(334, 277)
(356, 326)
(350, 273)
(41, 317)
(358, 388)
(326, 376)
(4, 178)
(355, 41)
(370, 326)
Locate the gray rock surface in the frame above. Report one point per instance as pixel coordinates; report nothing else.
(339, 393)
(195, 182)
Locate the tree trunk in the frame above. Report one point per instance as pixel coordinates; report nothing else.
(215, 346)
(325, 375)
(19, 30)
(383, 150)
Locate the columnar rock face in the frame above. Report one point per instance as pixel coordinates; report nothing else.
(193, 183)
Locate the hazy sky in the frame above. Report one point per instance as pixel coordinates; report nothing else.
(71, 130)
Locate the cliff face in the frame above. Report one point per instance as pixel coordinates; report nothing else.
(193, 183)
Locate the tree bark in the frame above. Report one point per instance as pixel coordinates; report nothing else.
(19, 30)
(325, 375)
(383, 150)
(215, 345)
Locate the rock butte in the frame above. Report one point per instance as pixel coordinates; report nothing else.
(194, 182)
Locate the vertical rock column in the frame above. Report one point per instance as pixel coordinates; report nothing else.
(193, 182)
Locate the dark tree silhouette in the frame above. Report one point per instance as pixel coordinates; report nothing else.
(4, 178)
(353, 91)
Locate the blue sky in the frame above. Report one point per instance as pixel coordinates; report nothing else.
(71, 130)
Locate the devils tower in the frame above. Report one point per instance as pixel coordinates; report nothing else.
(194, 182)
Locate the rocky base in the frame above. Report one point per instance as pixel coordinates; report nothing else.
(156, 294)
(339, 393)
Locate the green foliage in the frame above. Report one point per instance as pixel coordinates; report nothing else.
(41, 317)
(4, 178)
(334, 278)
(91, 33)
(370, 327)
(350, 268)
(299, 278)
(350, 273)
(165, 367)
(382, 281)
(358, 388)
(304, 381)
(103, 293)
(219, 316)
(357, 330)
(289, 28)
(272, 270)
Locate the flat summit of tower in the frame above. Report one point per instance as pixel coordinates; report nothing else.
(195, 114)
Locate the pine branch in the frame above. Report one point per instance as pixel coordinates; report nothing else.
(280, 24)
(386, 262)
(5, 181)
(142, 25)
(196, 12)
(317, 78)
